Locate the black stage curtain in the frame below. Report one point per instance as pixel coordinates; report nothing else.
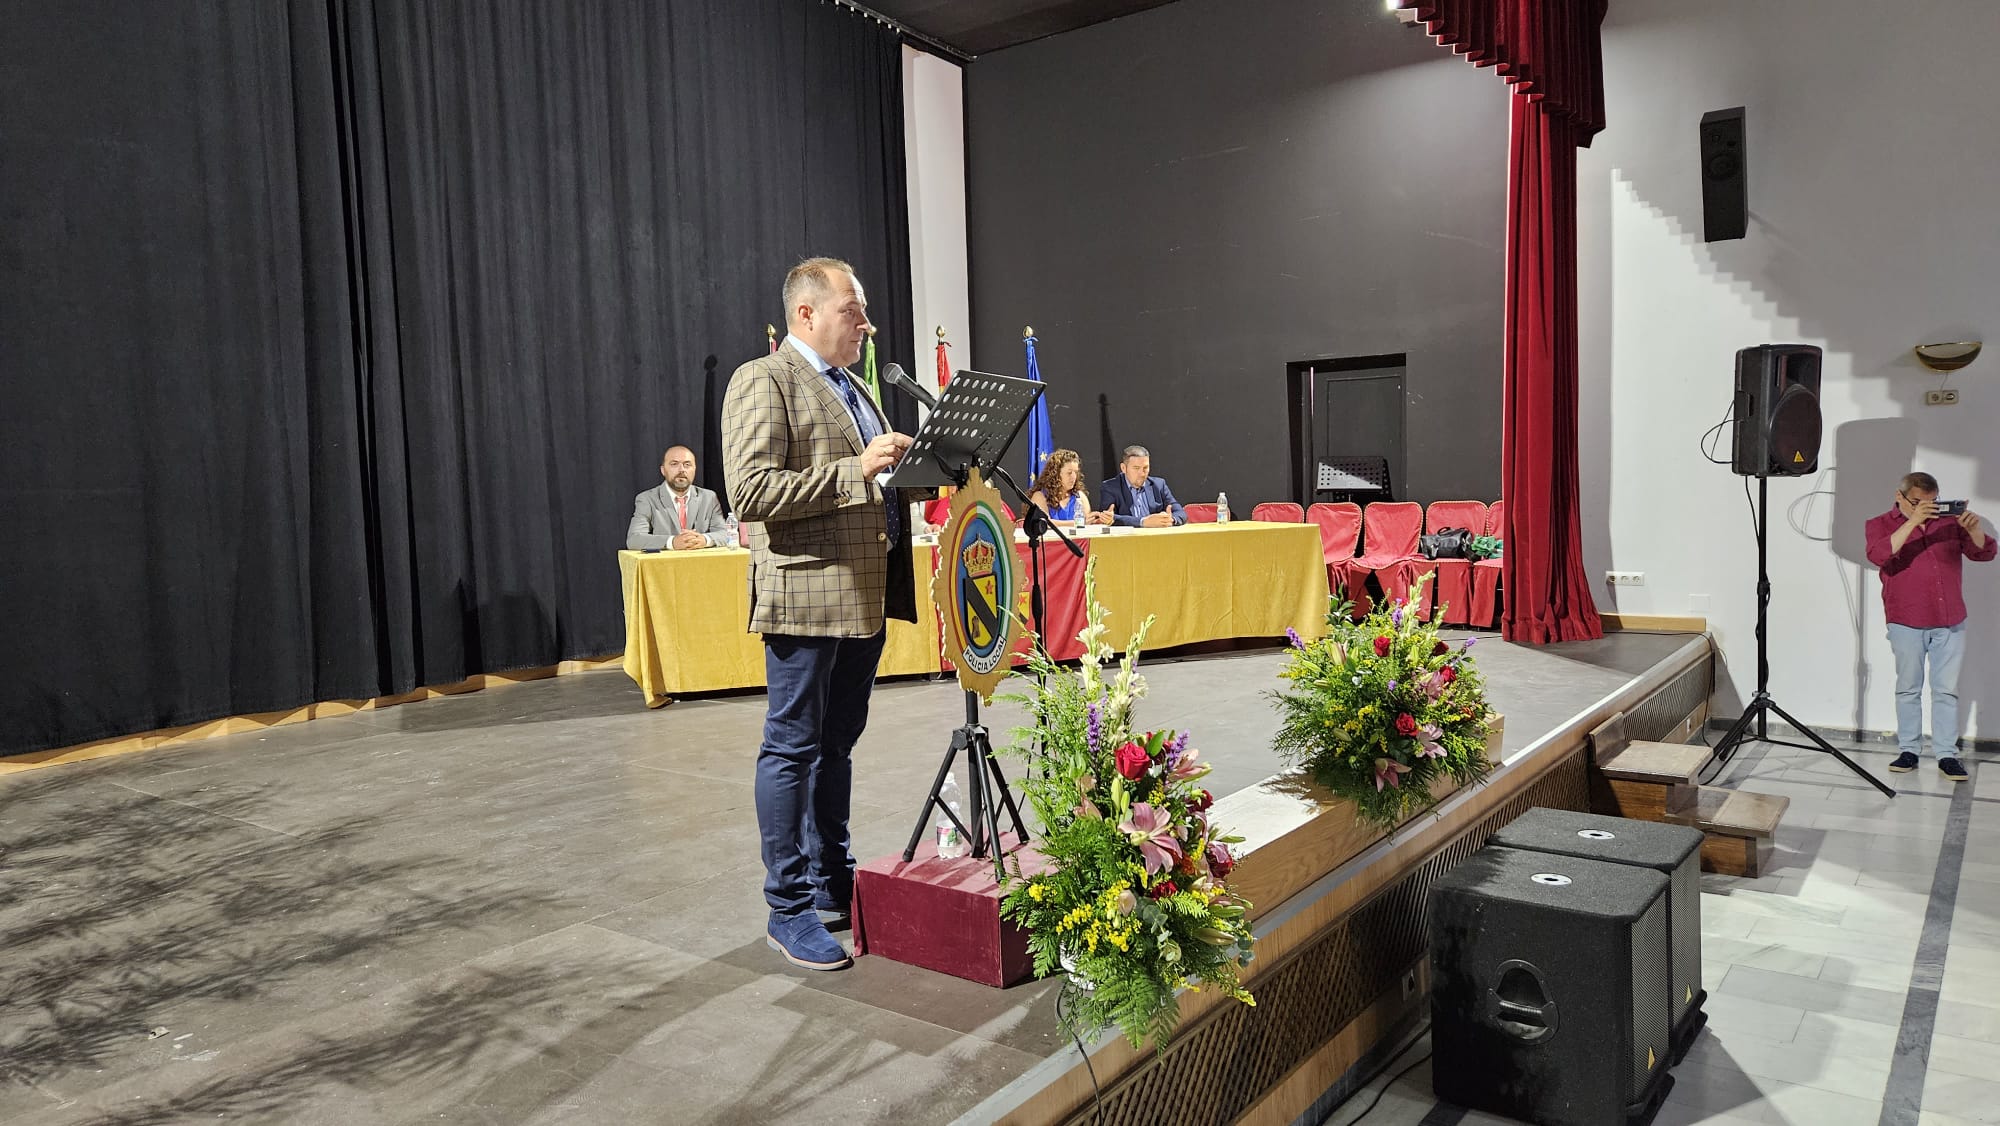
(336, 335)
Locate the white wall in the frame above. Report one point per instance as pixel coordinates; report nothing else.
(934, 140)
(1874, 184)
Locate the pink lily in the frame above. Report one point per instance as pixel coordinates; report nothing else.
(1434, 686)
(1428, 737)
(1152, 829)
(1185, 768)
(1086, 808)
(1388, 773)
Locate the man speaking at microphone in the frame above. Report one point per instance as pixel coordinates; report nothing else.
(803, 447)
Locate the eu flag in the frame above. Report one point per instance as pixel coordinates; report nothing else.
(1040, 442)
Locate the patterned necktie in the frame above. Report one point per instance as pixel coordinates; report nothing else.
(681, 503)
(864, 420)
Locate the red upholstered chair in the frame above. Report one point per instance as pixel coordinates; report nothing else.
(1451, 579)
(1339, 534)
(1389, 540)
(1486, 572)
(1388, 543)
(1200, 513)
(1279, 512)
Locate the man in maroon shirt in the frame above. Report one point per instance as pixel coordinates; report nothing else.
(1918, 552)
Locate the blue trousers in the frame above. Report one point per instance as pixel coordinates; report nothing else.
(818, 705)
(1943, 649)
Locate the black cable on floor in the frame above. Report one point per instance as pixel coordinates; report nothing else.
(1096, 1095)
(1391, 1083)
(1389, 1063)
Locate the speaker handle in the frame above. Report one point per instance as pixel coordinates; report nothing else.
(1528, 1020)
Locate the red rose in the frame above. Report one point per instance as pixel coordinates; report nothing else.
(1163, 889)
(1382, 645)
(1439, 649)
(1447, 674)
(1203, 802)
(1133, 761)
(1406, 724)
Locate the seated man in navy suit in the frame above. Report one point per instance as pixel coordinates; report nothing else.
(1136, 498)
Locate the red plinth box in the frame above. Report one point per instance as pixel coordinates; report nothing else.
(943, 915)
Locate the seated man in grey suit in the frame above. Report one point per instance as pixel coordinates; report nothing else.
(1137, 499)
(677, 514)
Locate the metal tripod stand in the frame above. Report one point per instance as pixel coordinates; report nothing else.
(1762, 706)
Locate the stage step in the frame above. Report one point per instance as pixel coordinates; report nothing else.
(1737, 827)
(1643, 780)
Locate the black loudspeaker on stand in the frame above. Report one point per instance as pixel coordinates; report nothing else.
(1777, 435)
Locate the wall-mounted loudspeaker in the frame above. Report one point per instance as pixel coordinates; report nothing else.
(1725, 192)
(1777, 411)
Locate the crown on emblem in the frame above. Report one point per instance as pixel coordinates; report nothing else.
(978, 558)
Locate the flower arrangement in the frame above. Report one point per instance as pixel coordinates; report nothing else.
(1133, 903)
(1483, 547)
(1380, 709)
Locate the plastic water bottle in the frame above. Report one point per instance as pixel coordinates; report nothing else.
(1222, 508)
(951, 844)
(734, 537)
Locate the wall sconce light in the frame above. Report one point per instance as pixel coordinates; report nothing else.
(1948, 356)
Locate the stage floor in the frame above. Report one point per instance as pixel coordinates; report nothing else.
(538, 903)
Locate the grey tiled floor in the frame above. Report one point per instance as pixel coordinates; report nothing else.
(1809, 967)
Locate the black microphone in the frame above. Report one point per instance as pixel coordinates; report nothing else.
(893, 374)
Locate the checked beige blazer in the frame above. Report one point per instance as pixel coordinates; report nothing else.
(823, 566)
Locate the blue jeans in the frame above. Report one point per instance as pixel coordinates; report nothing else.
(819, 688)
(1942, 648)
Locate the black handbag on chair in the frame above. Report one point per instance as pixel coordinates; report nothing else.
(1448, 543)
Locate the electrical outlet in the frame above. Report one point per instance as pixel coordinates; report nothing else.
(1945, 398)
(1625, 578)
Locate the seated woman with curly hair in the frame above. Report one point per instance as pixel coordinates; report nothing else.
(1058, 488)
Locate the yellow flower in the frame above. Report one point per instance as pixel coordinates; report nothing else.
(1035, 892)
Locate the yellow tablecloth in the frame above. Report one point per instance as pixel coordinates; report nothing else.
(685, 612)
(1209, 582)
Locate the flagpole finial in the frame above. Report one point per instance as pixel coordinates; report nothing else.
(1027, 332)
(871, 332)
(940, 331)
(770, 332)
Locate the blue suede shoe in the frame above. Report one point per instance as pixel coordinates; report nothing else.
(1904, 763)
(804, 941)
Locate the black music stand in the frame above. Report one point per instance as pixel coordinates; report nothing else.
(971, 428)
(1353, 479)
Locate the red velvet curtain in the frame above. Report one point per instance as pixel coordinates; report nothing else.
(1549, 53)
(1541, 569)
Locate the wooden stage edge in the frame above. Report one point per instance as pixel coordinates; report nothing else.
(325, 709)
(1654, 623)
(1312, 872)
